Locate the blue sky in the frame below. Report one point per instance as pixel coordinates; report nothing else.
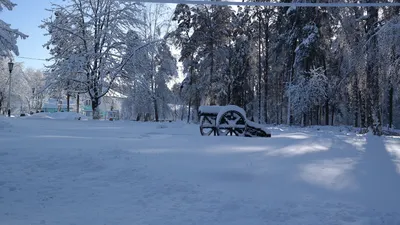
(27, 17)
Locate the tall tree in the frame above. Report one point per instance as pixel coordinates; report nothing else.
(203, 34)
(153, 65)
(86, 43)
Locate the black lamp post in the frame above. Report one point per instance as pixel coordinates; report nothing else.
(10, 68)
(33, 100)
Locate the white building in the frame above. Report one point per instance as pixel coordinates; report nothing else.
(110, 105)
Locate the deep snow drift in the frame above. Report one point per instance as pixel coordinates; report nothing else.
(100, 172)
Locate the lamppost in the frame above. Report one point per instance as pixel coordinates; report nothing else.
(10, 68)
(33, 101)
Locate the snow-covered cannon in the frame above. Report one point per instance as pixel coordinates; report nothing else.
(228, 120)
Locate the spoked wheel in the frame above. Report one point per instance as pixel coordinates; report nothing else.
(231, 123)
(207, 126)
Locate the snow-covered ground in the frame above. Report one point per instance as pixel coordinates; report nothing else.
(101, 172)
(58, 116)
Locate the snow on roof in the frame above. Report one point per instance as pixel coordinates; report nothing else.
(215, 109)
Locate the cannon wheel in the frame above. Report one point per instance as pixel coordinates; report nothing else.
(231, 123)
(207, 126)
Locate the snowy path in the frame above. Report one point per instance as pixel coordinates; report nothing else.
(98, 172)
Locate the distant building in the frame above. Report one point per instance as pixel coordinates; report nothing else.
(57, 105)
(110, 105)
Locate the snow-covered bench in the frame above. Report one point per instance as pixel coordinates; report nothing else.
(228, 120)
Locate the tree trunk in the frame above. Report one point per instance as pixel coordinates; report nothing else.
(356, 119)
(259, 67)
(291, 59)
(182, 113)
(77, 103)
(95, 109)
(327, 112)
(321, 115)
(332, 114)
(196, 104)
(229, 94)
(189, 109)
(372, 100)
(175, 112)
(162, 108)
(68, 95)
(266, 68)
(281, 97)
(1, 101)
(356, 104)
(276, 98)
(155, 109)
(362, 110)
(212, 90)
(311, 117)
(289, 101)
(390, 107)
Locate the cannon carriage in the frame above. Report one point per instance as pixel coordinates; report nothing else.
(228, 120)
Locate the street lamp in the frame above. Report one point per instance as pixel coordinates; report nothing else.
(32, 108)
(10, 68)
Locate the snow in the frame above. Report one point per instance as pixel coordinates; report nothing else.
(58, 116)
(220, 110)
(291, 9)
(4, 124)
(121, 172)
(306, 43)
(227, 108)
(256, 125)
(215, 109)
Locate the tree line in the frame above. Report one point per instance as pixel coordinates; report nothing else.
(293, 65)
(283, 65)
(27, 89)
